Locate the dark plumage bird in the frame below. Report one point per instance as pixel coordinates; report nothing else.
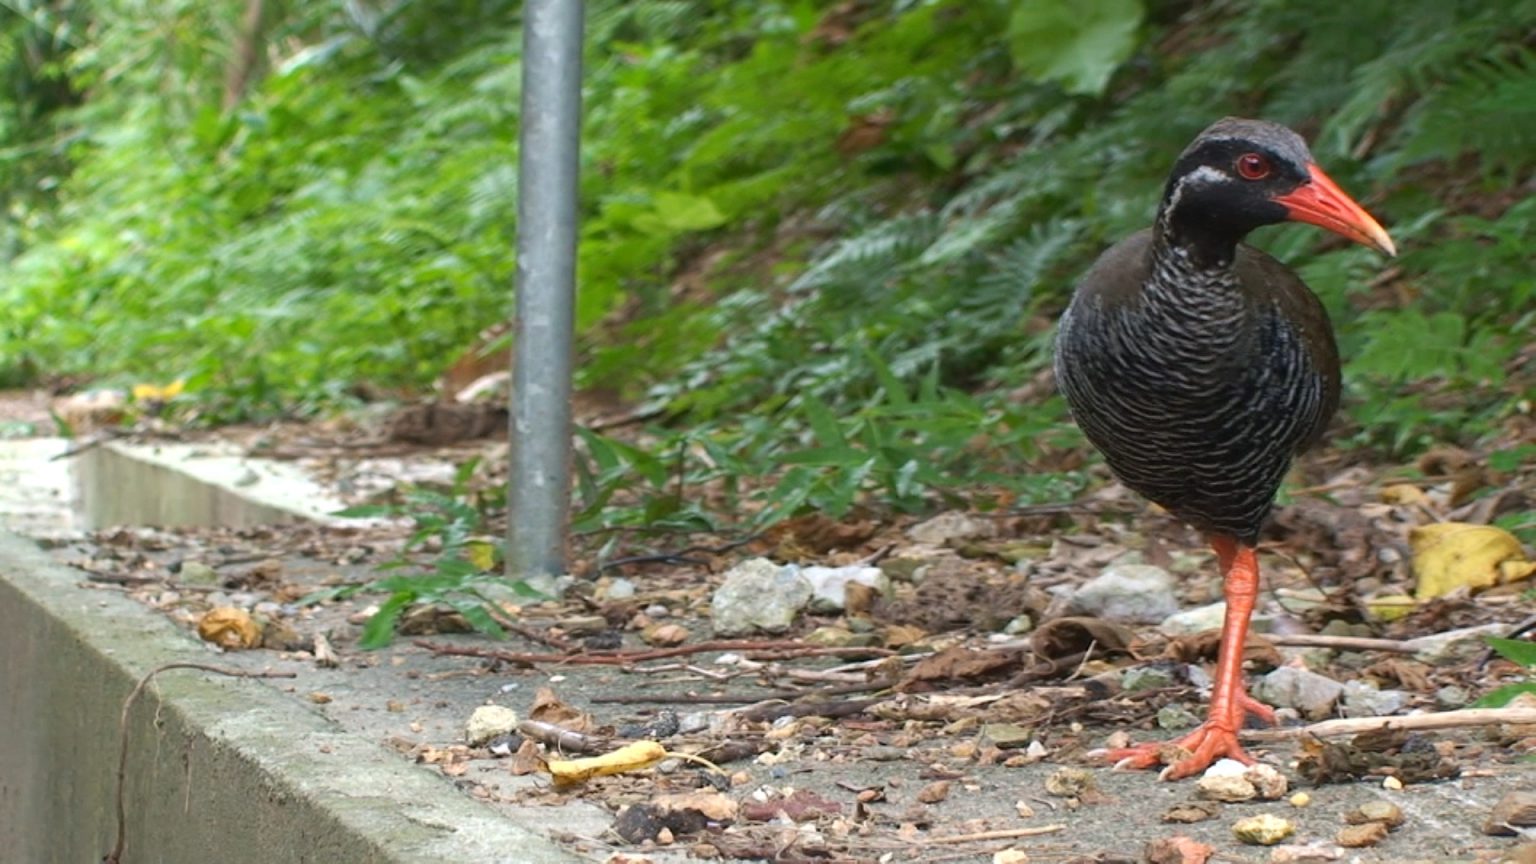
(1199, 366)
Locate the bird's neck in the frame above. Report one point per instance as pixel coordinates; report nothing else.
(1188, 262)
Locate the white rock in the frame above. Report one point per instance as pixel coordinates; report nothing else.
(1196, 620)
(1312, 694)
(487, 722)
(758, 596)
(829, 585)
(1132, 593)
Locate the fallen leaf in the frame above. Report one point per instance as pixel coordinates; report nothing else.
(1451, 555)
(229, 627)
(934, 792)
(547, 708)
(1065, 637)
(802, 805)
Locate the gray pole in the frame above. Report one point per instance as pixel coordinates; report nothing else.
(539, 496)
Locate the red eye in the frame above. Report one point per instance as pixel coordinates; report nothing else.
(1252, 166)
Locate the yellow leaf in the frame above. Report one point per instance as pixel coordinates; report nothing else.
(1450, 555)
(631, 757)
(481, 554)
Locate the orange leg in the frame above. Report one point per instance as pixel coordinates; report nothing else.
(1217, 736)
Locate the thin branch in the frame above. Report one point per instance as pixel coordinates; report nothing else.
(778, 650)
(1344, 643)
(1411, 723)
(116, 855)
(1003, 834)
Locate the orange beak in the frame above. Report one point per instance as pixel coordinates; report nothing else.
(1322, 203)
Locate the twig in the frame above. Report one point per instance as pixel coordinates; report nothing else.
(1411, 723)
(512, 625)
(1002, 834)
(568, 740)
(782, 649)
(680, 556)
(1344, 643)
(110, 434)
(773, 710)
(116, 855)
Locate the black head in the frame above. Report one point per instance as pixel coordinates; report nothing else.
(1239, 174)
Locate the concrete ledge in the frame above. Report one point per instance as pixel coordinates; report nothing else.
(219, 769)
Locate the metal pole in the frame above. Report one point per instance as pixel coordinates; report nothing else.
(539, 495)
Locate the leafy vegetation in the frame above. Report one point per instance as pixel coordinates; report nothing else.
(824, 241)
(1522, 654)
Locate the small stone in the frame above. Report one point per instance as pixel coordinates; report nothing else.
(1010, 856)
(948, 527)
(830, 585)
(839, 637)
(1132, 593)
(1454, 644)
(320, 698)
(934, 792)
(1023, 809)
(903, 569)
(664, 837)
(1196, 620)
(1019, 625)
(1146, 678)
(487, 722)
(1357, 836)
(197, 573)
(1363, 700)
(1311, 853)
(1006, 736)
(1300, 799)
(1385, 812)
(1262, 830)
(758, 596)
(884, 753)
(1176, 850)
(1226, 787)
(1270, 784)
(665, 635)
(619, 589)
(1191, 811)
(1451, 697)
(1174, 717)
(1392, 784)
(1515, 810)
(1071, 782)
(1308, 692)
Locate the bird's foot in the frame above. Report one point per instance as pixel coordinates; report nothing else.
(1214, 739)
(1186, 756)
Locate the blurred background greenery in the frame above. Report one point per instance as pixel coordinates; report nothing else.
(824, 242)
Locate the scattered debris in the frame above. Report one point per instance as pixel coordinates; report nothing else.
(229, 627)
(1177, 850)
(1516, 810)
(1127, 593)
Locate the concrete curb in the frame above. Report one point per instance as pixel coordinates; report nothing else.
(219, 768)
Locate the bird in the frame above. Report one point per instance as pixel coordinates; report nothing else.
(1199, 366)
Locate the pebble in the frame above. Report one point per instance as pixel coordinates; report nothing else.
(1451, 697)
(1311, 853)
(948, 527)
(1219, 785)
(1300, 799)
(1146, 678)
(1358, 836)
(1363, 700)
(758, 596)
(1176, 850)
(197, 573)
(1262, 830)
(1010, 856)
(1312, 694)
(1196, 620)
(1071, 782)
(1269, 783)
(1131, 593)
(1514, 811)
(487, 722)
(1385, 812)
(1174, 717)
(619, 589)
(829, 585)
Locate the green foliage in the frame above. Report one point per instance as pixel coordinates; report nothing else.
(461, 568)
(1516, 651)
(824, 240)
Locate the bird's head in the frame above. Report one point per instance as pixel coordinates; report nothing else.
(1241, 174)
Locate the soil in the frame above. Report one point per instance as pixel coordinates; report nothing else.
(940, 739)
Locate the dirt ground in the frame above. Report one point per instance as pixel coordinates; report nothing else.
(912, 771)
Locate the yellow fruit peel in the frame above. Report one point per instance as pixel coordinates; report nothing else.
(631, 757)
